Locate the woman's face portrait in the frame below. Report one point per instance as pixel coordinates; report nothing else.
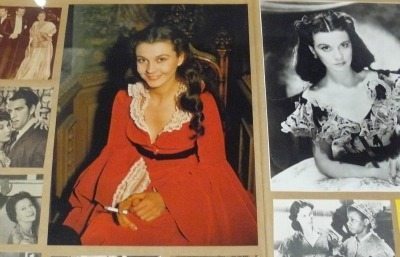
(5, 131)
(41, 16)
(25, 211)
(305, 217)
(356, 222)
(157, 63)
(333, 49)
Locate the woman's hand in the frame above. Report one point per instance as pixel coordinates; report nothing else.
(122, 218)
(42, 124)
(147, 206)
(150, 206)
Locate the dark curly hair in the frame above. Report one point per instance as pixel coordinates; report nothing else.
(313, 70)
(189, 72)
(294, 211)
(4, 116)
(26, 93)
(11, 207)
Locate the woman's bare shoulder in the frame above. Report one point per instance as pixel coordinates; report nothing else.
(313, 92)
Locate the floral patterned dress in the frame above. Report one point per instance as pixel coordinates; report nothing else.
(206, 203)
(372, 140)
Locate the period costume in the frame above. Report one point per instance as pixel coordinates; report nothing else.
(5, 31)
(298, 246)
(15, 51)
(29, 149)
(39, 53)
(368, 142)
(370, 245)
(206, 204)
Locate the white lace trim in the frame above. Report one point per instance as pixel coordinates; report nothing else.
(136, 181)
(140, 99)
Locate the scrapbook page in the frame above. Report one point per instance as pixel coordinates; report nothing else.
(137, 117)
(199, 128)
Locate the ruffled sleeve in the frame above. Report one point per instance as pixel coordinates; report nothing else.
(300, 123)
(84, 190)
(393, 81)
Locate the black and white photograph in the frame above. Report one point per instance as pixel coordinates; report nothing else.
(341, 228)
(24, 124)
(333, 90)
(28, 38)
(20, 204)
(149, 116)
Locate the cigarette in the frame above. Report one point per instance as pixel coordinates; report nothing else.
(113, 209)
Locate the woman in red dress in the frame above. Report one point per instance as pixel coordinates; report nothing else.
(164, 166)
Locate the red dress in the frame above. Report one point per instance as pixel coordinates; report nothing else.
(206, 204)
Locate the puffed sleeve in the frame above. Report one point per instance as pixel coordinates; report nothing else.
(300, 123)
(82, 196)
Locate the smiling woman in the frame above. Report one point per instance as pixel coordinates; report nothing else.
(22, 209)
(164, 167)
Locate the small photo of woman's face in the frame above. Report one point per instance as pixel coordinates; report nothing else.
(25, 211)
(5, 131)
(334, 49)
(157, 63)
(356, 222)
(305, 217)
(41, 16)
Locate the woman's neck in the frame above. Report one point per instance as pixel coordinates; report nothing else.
(26, 227)
(345, 78)
(308, 230)
(165, 92)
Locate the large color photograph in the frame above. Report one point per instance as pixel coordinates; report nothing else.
(154, 139)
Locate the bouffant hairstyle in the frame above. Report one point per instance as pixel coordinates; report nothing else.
(14, 199)
(189, 71)
(294, 211)
(27, 94)
(313, 70)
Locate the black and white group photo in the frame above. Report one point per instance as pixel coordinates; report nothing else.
(24, 124)
(28, 38)
(340, 228)
(332, 83)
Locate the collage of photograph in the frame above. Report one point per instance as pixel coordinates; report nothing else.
(240, 128)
